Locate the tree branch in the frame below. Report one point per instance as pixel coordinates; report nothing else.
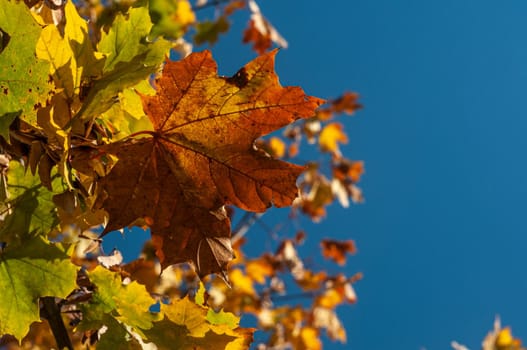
(51, 312)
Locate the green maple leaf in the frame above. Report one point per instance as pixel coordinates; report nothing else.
(128, 304)
(28, 272)
(29, 207)
(131, 58)
(116, 336)
(128, 38)
(23, 77)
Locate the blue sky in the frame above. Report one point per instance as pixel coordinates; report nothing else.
(442, 235)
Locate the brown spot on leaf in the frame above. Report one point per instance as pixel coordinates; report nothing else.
(4, 40)
(85, 88)
(240, 79)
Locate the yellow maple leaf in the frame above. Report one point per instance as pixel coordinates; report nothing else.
(72, 52)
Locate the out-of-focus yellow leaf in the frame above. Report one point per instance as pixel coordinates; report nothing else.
(259, 269)
(184, 14)
(275, 147)
(338, 290)
(311, 280)
(330, 136)
(506, 341)
(319, 196)
(501, 339)
(505, 337)
(310, 338)
(278, 146)
(241, 282)
(330, 299)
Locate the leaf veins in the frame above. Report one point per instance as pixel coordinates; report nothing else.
(201, 156)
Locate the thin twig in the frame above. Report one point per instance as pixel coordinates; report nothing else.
(244, 225)
(209, 4)
(284, 297)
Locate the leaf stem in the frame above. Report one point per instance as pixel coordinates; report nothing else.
(143, 132)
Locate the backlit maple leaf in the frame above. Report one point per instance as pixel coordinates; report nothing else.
(201, 156)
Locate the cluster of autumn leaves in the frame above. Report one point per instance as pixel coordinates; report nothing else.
(89, 140)
(98, 129)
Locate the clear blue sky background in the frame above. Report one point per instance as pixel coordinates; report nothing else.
(442, 236)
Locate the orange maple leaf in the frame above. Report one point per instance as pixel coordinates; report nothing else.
(201, 156)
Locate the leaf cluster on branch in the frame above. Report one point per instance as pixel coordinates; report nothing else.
(100, 131)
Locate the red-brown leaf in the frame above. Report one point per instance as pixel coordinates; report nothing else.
(201, 156)
(337, 250)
